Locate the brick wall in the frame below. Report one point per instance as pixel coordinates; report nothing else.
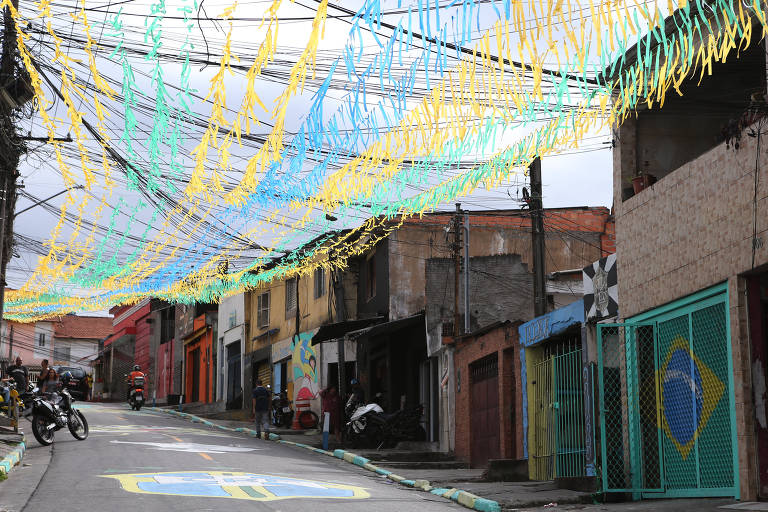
(502, 340)
(691, 230)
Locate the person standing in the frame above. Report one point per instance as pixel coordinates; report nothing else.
(48, 381)
(260, 408)
(88, 387)
(331, 405)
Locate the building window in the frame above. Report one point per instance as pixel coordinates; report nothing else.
(290, 297)
(319, 282)
(370, 278)
(232, 319)
(61, 354)
(41, 340)
(262, 314)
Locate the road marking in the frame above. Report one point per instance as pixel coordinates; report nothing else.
(176, 439)
(237, 485)
(205, 455)
(143, 429)
(189, 447)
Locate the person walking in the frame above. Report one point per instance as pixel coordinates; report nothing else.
(260, 408)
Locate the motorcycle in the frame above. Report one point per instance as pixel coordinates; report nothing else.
(55, 412)
(282, 414)
(136, 395)
(370, 425)
(363, 428)
(22, 401)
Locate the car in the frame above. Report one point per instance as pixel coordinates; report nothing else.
(78, 385)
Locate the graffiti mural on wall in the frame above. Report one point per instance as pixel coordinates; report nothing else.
(305, 385)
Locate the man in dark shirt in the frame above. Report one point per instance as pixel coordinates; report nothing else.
(19, 374)
(261, 403)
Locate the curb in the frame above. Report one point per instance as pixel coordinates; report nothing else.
(13, 458)
(463, 498)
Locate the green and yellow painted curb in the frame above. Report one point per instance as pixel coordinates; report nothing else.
(463, 498)
(13, 458)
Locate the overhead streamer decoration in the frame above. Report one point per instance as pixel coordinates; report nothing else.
(474, 106)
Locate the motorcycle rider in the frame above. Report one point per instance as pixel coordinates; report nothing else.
(136, 373)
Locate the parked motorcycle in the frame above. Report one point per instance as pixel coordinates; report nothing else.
(54, 412)
(21, 400)
(136, 395)
(282, 414)
(370, 426)
(361, 430)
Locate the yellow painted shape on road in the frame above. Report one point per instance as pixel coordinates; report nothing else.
(237, 485)
(205, 455)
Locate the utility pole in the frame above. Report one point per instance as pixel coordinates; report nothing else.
(466, 274)
(456, 247)
(10, 343)
(537, 240)
(11, 145)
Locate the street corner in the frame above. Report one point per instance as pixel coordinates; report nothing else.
(235, 485)
(12, 458)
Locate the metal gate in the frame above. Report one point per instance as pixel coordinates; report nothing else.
(558, 447)
(484, 407)
(666, 403)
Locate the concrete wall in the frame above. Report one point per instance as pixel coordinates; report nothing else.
(314, 311)
(575, 237)
(232, 329)
(46, 352)
(24, 343)
(500, 286)
(379, 304)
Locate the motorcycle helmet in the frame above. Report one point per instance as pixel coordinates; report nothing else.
(136, 368)
(353, 382)
(66, 377)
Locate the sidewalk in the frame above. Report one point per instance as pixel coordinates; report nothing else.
(468, 488)
(12, 448)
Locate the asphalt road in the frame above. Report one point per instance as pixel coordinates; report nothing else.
(149, 461)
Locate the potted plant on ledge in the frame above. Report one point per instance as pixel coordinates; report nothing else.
(642, 180)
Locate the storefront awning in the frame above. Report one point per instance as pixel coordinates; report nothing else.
(387, 327)
(336, 330)
(551, 324)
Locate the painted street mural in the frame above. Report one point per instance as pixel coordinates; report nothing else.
(305, 386)
(244, 486)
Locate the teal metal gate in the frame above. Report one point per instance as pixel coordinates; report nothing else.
(667, 416)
